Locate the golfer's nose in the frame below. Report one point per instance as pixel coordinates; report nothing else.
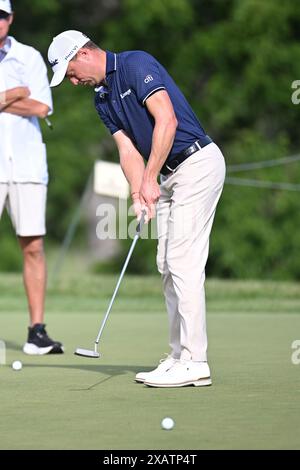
(74, 81)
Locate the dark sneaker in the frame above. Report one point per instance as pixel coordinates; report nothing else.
(39, 343)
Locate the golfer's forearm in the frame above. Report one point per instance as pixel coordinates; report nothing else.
(162, 141)
(133, 167)
(27, 107)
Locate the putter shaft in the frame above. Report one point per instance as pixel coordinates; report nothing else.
(136, 237)
(95, 353)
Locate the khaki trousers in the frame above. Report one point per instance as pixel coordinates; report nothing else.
(185, 214)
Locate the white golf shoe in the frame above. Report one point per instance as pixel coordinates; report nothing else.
(181, 374)
(163, 366)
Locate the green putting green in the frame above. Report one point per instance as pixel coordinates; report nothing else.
(71, 402)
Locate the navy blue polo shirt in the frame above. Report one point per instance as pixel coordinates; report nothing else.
(132, 77)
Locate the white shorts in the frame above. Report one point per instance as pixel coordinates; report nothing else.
(26, 205)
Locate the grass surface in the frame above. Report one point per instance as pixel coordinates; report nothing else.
(68, 402)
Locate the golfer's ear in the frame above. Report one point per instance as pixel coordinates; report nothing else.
(83, 53)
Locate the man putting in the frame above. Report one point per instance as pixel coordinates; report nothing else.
(158, 135)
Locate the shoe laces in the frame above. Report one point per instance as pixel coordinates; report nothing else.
(40, 330)
(168, 356)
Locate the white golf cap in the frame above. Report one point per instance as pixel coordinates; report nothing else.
(62, 49)
(5, 5)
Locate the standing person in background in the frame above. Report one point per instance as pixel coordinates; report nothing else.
(151, 120)
(24, 97)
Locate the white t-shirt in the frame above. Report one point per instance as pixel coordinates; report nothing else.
(20, 137)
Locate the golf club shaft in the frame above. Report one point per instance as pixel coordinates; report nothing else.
(136, 237)
(48, 122)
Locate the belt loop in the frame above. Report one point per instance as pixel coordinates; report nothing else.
(170, 169)
(198, 145)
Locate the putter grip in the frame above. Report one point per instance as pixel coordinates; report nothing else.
(141, 223)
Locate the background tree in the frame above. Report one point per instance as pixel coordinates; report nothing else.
(235, 61)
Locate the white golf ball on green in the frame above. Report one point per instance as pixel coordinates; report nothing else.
(17, 365)
(167, 423)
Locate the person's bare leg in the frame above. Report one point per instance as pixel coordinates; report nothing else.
(34, 276)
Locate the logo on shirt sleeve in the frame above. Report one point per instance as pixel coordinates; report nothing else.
(148, 79)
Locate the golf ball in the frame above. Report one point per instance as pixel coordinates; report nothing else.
(167, 423)
(17, 365)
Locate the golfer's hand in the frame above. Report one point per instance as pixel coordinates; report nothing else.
(21, 92)
(149, 195)
(137, 206)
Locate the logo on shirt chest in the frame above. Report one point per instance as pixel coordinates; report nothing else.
(127, 93)
(102, 92)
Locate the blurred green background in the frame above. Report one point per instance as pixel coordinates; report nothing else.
(235, 60)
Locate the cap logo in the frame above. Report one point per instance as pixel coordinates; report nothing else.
(71, 52)
(54, 62)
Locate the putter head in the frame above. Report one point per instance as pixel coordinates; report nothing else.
(86, 353)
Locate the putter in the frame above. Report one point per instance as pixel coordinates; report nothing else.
(94, 353)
